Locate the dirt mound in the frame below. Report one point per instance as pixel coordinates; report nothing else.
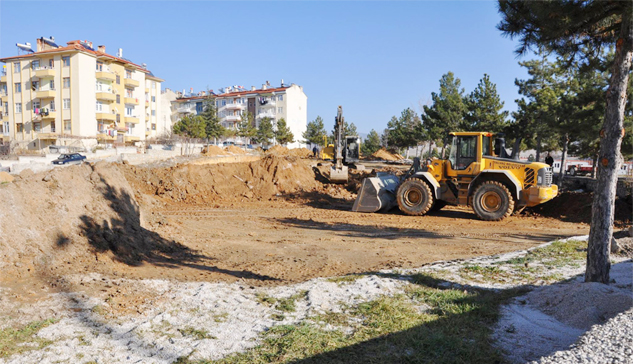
(5, 177)
(576, 207)
(234, 150)
(259, 180)
(581, 305)
(300, 152)
(213, 150)
(76, 214)
(383, 154)
(278, 150)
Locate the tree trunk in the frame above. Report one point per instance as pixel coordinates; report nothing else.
(562, 171)
(603, 208)
(594, 165)
(431, 149)
(538, 147)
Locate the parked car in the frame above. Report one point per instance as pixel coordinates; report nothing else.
(73, 158)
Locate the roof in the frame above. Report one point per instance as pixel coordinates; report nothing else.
(260, 91)
(72, 46)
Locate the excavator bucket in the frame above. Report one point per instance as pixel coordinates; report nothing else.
(338, 175)
(377, 193)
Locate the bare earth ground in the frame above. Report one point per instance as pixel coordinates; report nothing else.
(272, 232)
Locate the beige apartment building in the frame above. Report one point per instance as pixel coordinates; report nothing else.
(76, 94)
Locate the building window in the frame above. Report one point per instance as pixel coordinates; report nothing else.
(19, 127)
(67, 125)
(51, 63)
(130, 127)
(129, 110)
(66, 104)
(66, 82)
(35, 85)
(51, 85)
(153, 84)
(36, 106)
(118, 79)
(153, 98)
(153, 112)
(37, 127)
(129, 92)
(66, 61)
(18, 88)
(99, 106)
(99, 66)
(52, 126)
(153, 126)
(99, 85)
(128, 74)
(223, 102)
(5, 128)
(52, 105)
(16, 67)
(280, 110)
(18, 107)
(118, 99)
(35, 65)
(280, 98)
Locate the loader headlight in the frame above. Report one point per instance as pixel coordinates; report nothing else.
(539, 180)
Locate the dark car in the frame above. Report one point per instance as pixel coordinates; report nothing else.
(72, 158)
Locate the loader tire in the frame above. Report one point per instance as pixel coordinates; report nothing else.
(492, 201)
(414, 197)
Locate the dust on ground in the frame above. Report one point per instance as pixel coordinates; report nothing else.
(267, 222)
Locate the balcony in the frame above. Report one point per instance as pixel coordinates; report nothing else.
(105, 74)
(232, 118)
(132, 138)
(5, 116)
(51, 115)
(132, 119)
(269, 103)
(104, 136)
(106, 96)
(234, 107)
(262, 115)
(186, 110)
(45, 94)
(46, 136)
(105, 116)
(45, 71)
(131, 100)
(130, 82)
(3, 76)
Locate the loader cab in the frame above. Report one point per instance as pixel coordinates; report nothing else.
(465, 154)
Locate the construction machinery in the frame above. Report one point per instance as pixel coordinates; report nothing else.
(478, 173)
(345, 151)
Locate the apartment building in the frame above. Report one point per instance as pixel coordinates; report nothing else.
(58, 95)
(286, 101)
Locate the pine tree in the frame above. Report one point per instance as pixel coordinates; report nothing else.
(190, 127)
(213, 128)
(315, 131)
(350, 130)
(371, 144)
(246, 128)
(283, 135)
(265, 132)
(569, 27)
(447, 112)
(405, 131)
(485, 109)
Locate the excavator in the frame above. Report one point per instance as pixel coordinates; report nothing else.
(344, 152)
(478, 173)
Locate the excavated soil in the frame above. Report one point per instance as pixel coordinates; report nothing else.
(234, 150)
(213, 150)
(270, 221)
(385, 155)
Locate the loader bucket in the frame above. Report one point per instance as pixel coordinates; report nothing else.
(339, 175)
(377, 193)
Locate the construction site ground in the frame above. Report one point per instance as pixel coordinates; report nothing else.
(263, 222)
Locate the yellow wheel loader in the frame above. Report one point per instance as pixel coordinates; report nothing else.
(478, 173)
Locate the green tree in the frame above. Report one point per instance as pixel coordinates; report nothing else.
(283, 135)
(190, 127)
(405, 131)
(265, 132)
(447, 112)
(213, 128)
(350, 130)
(485, 109)
(569, 27)
(371, 144)
(315, 131)
(246, 127)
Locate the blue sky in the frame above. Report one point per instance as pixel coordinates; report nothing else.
(373, 58)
